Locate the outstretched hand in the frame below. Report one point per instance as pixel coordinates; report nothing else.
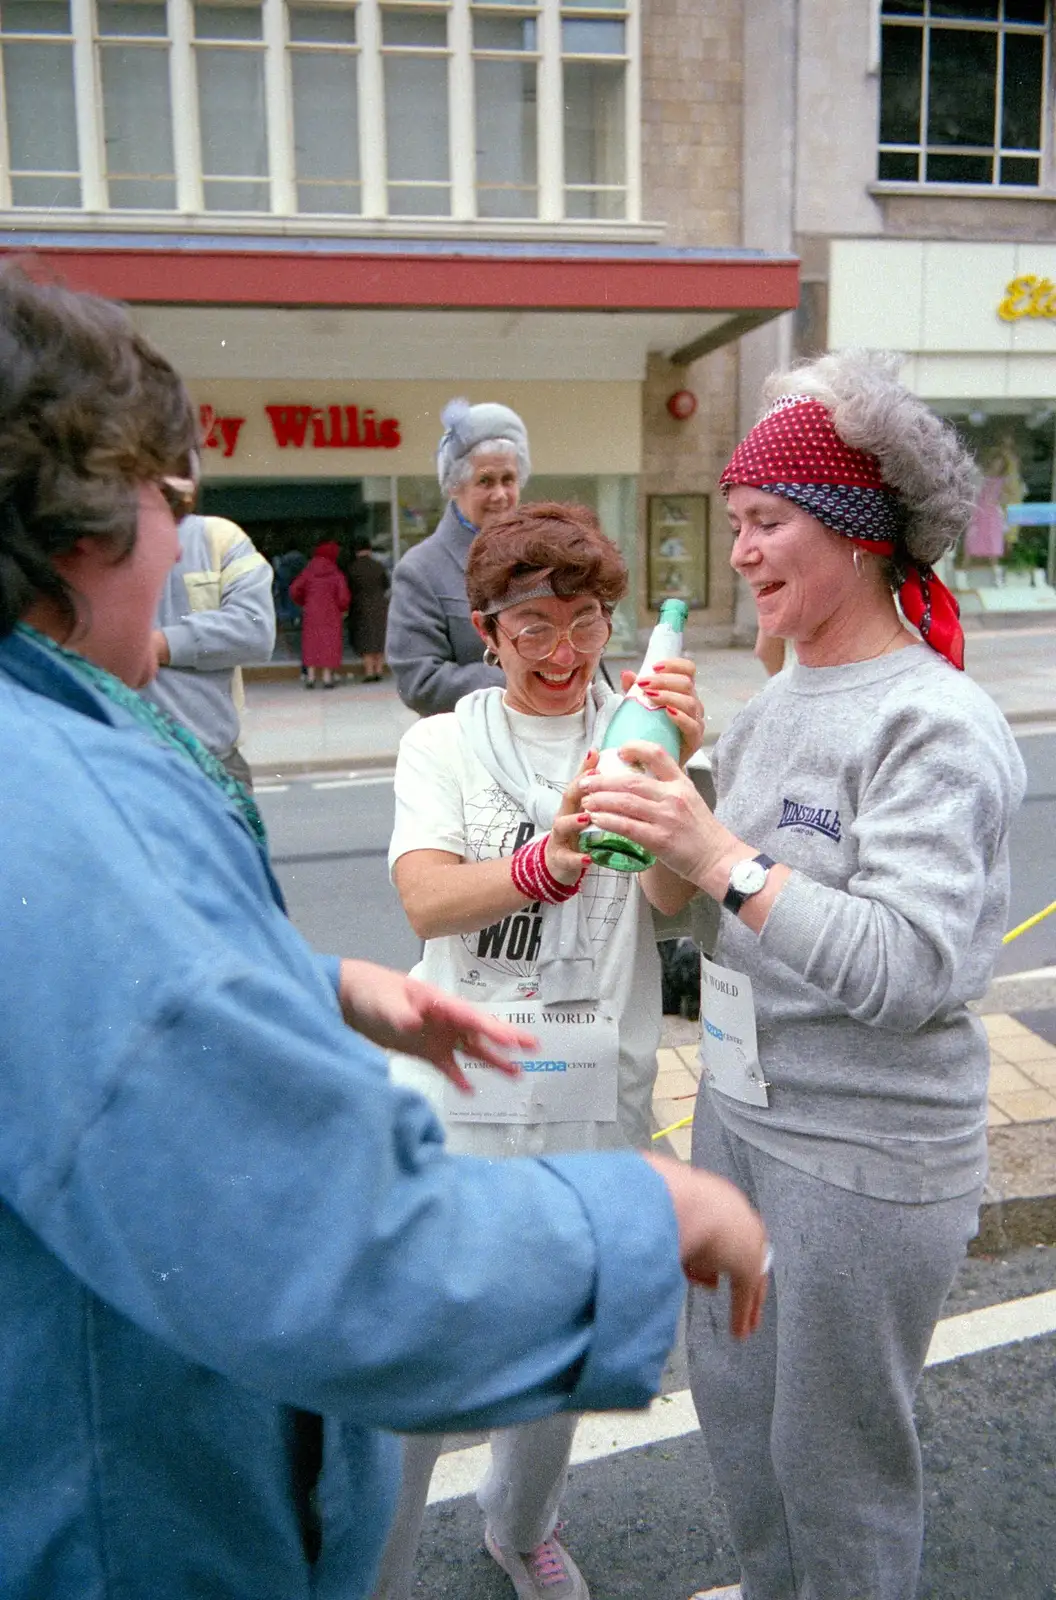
(719, 1236)
(401, 1013)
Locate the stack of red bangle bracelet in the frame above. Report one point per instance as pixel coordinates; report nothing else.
(533, 877)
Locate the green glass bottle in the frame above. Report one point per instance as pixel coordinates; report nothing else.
(636, 719)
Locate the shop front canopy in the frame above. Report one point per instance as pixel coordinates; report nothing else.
(248, 307)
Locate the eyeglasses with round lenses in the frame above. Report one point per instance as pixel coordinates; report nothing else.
(540, 639)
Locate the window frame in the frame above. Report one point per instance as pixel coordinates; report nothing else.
(923, 26)
(366, 57)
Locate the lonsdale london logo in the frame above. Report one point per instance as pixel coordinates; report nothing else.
(1029, 296)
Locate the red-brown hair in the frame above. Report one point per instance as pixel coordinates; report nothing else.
(566, 538)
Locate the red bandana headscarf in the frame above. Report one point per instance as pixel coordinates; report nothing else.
(795, 452)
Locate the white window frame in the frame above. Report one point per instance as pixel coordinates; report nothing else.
(923, 25)
(368, 57)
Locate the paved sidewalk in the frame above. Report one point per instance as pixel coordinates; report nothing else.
(1019, 1204)
(288, 731)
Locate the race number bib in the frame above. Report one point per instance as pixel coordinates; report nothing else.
(569, 1077)
(729, 1049)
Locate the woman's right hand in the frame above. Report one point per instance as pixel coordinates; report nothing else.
(564, 859)
(719, 1235)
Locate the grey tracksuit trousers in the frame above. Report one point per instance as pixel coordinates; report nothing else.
(519, 1495)
(809, 1425)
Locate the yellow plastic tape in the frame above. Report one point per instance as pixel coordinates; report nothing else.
(1031, 922)
(673, 1128)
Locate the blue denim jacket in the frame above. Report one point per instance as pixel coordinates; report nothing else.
(230, 1249)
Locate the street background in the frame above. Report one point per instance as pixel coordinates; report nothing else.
(644, 1522)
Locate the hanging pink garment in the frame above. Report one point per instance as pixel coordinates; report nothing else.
(986, 531)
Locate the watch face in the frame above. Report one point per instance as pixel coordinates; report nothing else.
(748, 877)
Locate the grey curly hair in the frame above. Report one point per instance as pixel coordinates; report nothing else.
(920, 455)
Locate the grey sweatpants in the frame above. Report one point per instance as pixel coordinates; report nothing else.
(519, 1494)
(809, 1424)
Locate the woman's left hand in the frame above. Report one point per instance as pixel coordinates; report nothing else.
(660, 809)
(401, 1013)
(672, 687)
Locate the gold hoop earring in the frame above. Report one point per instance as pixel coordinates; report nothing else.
(490, 658)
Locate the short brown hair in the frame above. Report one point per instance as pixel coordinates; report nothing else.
(88, 411)
(566, 538)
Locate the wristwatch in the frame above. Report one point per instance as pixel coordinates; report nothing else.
(746, 879)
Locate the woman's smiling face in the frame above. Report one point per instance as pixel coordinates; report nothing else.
(557, 685)
(800, 572)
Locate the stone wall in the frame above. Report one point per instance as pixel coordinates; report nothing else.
(691, 182)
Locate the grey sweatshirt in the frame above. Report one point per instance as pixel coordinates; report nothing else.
(433, 649)
(888, 787)
(217, 613)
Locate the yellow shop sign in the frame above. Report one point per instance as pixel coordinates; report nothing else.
(1029, 296)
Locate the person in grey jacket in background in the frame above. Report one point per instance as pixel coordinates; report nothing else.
(216, 615)
(435, 653)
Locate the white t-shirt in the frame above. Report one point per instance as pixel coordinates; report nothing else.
(446, 800)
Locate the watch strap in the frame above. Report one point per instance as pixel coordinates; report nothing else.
(733, 899)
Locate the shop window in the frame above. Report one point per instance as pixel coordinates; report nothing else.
(1016, 457)
(42, 155)
(232, 120)
(324, 88)
(136, 103)
(962, 91)
(417, 154)
(594, 69)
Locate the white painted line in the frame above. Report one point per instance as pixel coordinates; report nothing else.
(671, 1416)
(602, 1433)
(992, 1326)
(360, 782)
(270, 788)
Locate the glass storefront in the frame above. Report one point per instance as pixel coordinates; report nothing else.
(1016, 453)
(286, 518)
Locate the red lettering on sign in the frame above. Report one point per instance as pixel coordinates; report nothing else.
(288, 424)
(219, 433)
(332, 428)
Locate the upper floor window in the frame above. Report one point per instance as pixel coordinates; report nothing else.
(962, 91)
(498, 110)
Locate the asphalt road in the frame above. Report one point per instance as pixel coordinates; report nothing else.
(646, 1524)
(330, 835)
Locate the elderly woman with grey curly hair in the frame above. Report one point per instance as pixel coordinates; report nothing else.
(431, 645)
(859, 850)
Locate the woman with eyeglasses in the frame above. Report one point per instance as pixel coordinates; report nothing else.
(485, 857)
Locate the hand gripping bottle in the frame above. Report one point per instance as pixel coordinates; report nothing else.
(636, 719)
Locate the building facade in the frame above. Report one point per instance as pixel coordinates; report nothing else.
(911, 166)
(335, 215)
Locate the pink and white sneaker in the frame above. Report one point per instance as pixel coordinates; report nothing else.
(546, 1573)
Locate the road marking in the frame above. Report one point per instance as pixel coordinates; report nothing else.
(992, 1326)
(671, 1416)
(270, 788)
(363, 781)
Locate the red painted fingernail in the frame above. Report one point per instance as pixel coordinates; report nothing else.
(658, 666)
(584, 818)
(670, 711)
(643, 681)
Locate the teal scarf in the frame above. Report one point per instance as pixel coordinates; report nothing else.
(163, 727)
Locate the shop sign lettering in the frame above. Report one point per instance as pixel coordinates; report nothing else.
(305, 427)
(332, 428)
(1029, 296)
(219, 433)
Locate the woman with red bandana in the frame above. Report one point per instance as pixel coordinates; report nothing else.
(859, 849)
